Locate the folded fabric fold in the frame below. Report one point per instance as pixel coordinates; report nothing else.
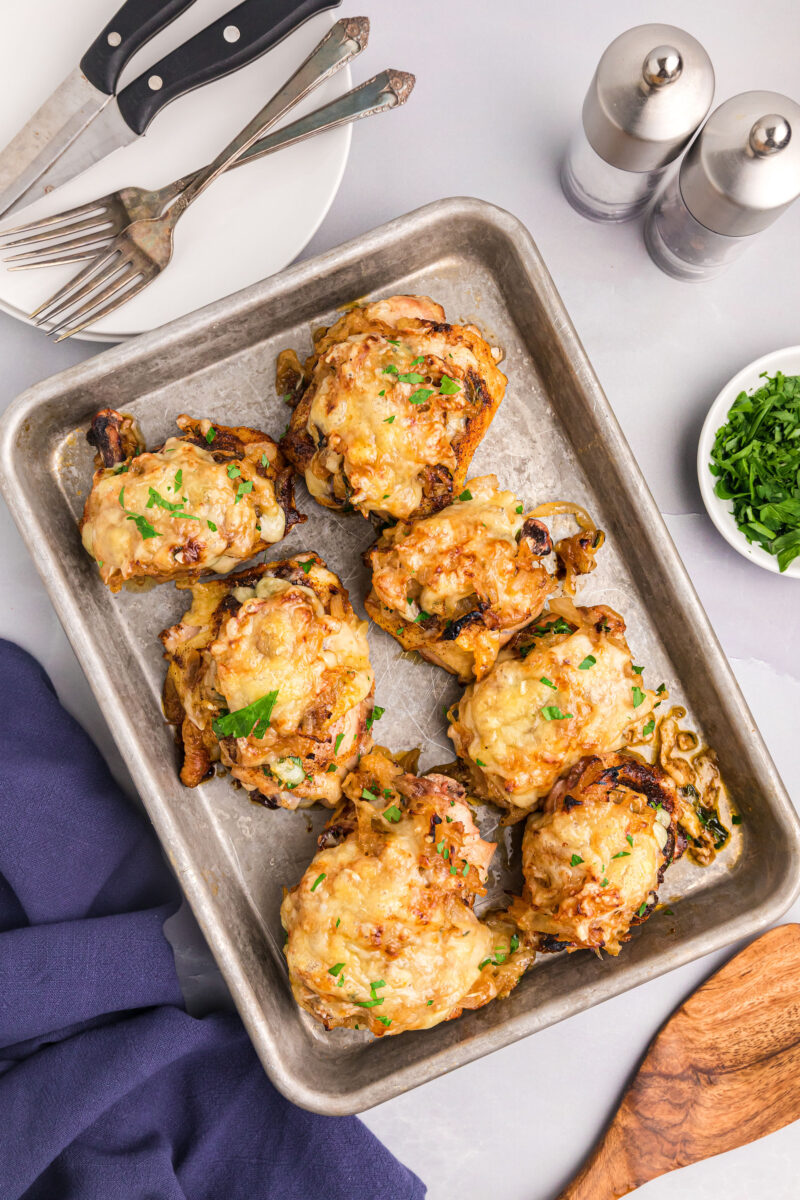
(108, 1088)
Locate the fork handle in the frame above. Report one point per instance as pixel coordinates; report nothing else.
(388, 90)
(127, 31)
(342, 42)
(234, 40)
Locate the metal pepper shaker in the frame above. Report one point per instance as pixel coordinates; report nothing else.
(652, 88)
(740, 174)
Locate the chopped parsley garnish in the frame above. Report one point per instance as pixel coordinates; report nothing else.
(392, 342)
(242, 490)
(233, 470)
(264, 459)
(514, 942)
(382, 392)
(336, 969)
(338, 742)
(420, 396)
(142, 524)
(548, 683)
(756, 459)
(638, 696)
(479, 763)
(411, 377)
(307, 565)
(211, 526)
(387, 792)
(448, 386)
(637, 670)
(383, 1020)
(388, 420)
(466, 494)
(369, 1003)
(669, 912)
(420, 358)
(155, 498)
(518, 508)
(376, 983)
(391, 370)
(551, 712)
(211, 434)
(603, 882)
(736, 819)
(662, 687)
(392, 813)
(253, 720)
(366, 794)
(338, 922)
(318, 881)
(622, 854)
(421, 616)
(643, 909)
(557, 626)
(330, 769)
(649, 727)
(629, 839)
(430, 1002)
(375, 715)
(588, 662)
(178, 479)
(576, 860)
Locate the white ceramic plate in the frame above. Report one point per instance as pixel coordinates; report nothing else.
(721, 511)
(251, 222)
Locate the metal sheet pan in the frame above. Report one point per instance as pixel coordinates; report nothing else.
(554, 437)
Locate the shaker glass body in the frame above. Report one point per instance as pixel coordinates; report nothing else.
(602, 192)
(680, 245)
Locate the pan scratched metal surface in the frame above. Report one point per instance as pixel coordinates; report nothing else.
(554, 437)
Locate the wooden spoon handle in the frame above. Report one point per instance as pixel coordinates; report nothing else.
(607, 1174)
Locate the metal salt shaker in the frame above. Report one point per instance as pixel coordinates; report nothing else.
(652, 88)
(740, 174)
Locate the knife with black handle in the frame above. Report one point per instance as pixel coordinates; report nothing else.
(234, 40)
(127, 31)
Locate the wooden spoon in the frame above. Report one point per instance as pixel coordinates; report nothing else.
(723, 1071)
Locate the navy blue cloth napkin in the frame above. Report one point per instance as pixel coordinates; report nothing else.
(109, 1090)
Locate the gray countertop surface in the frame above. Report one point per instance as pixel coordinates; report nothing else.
(500, 86)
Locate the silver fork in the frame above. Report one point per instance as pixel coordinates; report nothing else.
(142, 250)
(79, 233)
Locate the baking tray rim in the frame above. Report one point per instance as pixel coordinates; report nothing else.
(197, 889)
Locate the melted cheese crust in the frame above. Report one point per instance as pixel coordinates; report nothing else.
(222, 530)
(501, 720)
(301, 640)
(591, 867)
(282, 639)
(375, 410)
(393, 925)
(448, 564)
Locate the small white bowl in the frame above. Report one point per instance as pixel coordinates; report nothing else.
(721, 511)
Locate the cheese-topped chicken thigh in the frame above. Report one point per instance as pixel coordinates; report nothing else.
(390, 407)
(201, 503)
(457, 585)
(594, 857)
(269, 673)
(564, 688)
(381, 929)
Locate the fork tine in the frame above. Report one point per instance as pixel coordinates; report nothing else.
(69, 214)
(68, 288)
(110, 299)
(87, 292)
(46, 256)
(59, 260)
(101, 221)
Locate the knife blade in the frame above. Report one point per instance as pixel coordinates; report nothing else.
(86, 91)
(234, 40)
